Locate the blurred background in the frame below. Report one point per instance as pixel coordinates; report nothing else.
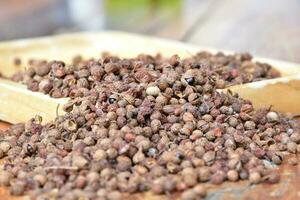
(269, 28)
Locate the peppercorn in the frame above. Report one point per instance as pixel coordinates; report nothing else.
(99, 155)
(272, 117)
(146, 123)
(254, 177)
(153, 91)
(232, 175)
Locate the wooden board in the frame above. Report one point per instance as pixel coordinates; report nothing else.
(92, 44)
(17, 103)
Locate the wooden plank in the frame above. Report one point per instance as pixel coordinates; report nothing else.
(283, 94)
(18, 104)
(267, 28)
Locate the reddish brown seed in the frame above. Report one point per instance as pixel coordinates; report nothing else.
(200, 190)
(292, 147)
(218, 177)
(254, 177)
(232, 175)
(124, 163)
(187, 117)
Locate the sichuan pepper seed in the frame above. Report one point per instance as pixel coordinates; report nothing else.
(144, 124)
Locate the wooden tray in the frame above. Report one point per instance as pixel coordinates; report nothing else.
(282, 93)
(17, 104)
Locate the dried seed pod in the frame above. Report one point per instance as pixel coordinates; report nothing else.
(295, 137)
(123, 163)
(175, 60)
(204, 174)
(218, 177)
(292, 147)
(45, 86)
(42, 70)
(57, 69)
(188, 117)
(70, 125)
(209, 157)
(249, 125)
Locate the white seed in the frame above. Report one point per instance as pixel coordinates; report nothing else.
(272, 117)
(153, 91)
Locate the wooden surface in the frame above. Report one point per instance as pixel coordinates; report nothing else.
(264, 28)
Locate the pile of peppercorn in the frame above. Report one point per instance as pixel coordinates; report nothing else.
(144, 124)
(61, 80)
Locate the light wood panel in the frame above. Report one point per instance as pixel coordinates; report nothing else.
(18, 104)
